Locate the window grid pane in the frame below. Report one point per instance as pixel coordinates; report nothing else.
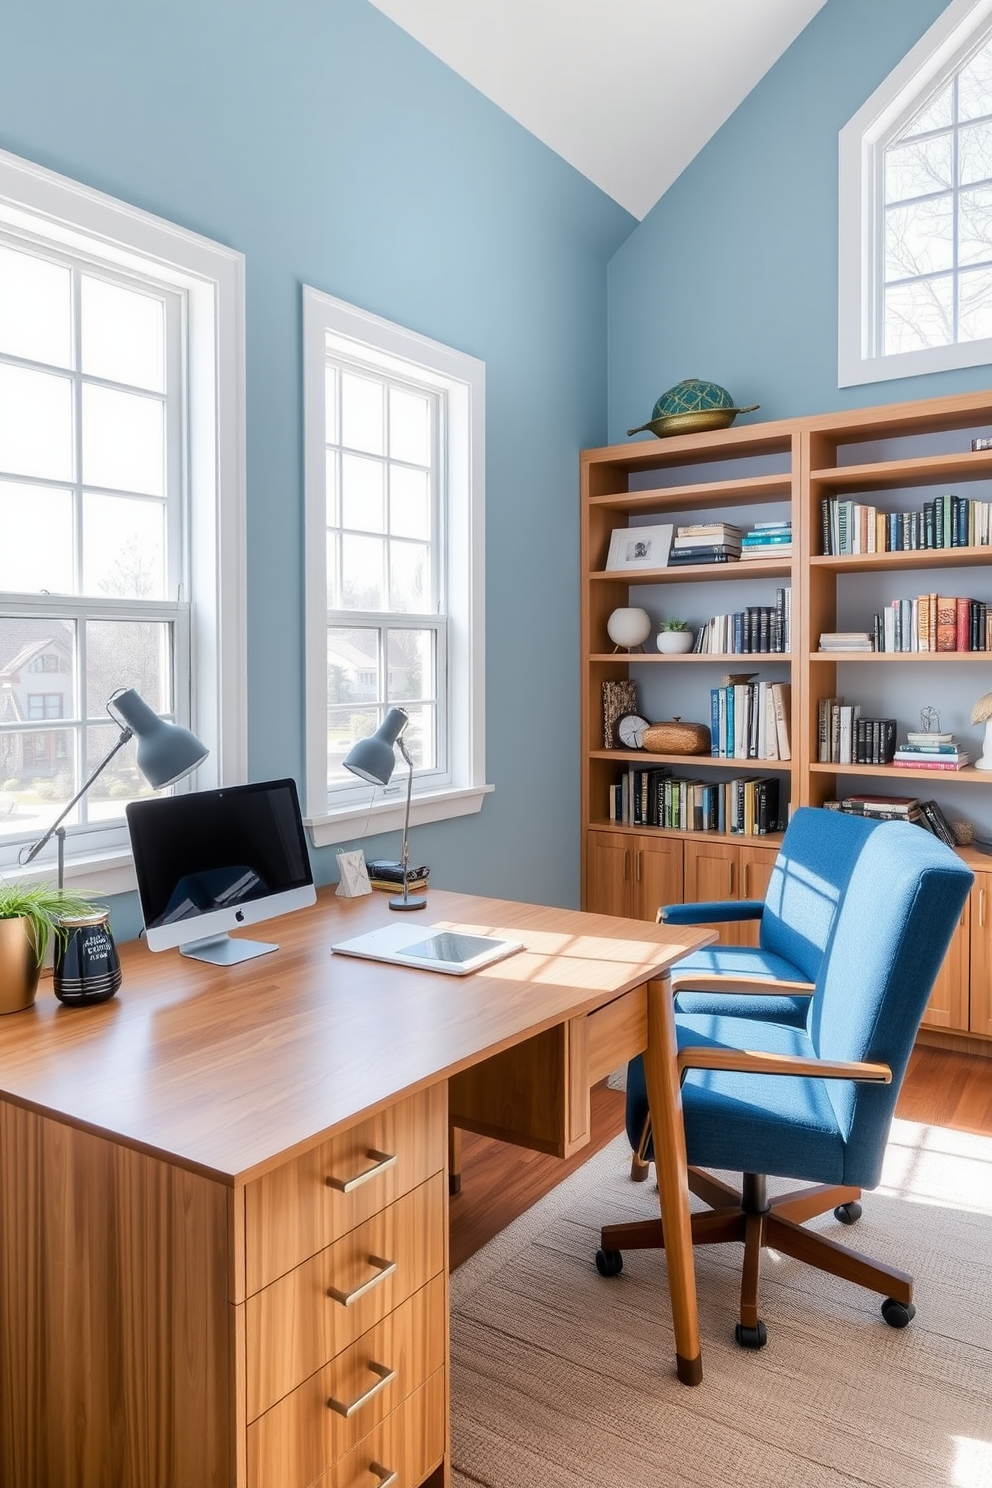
(112, 413)
(936, 218)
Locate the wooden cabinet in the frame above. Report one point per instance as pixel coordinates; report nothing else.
(728, 871)
(341, 1335)
(980, 940)
(632, 874)
(886, 463)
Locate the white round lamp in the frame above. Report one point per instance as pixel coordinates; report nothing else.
(629, 627)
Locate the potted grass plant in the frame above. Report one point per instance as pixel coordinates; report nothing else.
(675, 637)
(30, 914)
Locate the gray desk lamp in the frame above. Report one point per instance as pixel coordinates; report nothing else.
(166, 753)
(374, 759)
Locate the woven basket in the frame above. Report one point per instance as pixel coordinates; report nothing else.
(677, 737)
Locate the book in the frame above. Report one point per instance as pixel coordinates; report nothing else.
(782, 703)
(392, 872)
(946, 623)
(932, 764)
(390, 886)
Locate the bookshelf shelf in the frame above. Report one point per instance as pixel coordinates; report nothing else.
(913, 558)
(967, 775)
(643, 761)
(874, 658)
(752, 568)
(740, 660)
(874, 457)
(744, 492)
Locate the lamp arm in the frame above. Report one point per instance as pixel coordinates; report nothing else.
(405, 850)
(26, 857)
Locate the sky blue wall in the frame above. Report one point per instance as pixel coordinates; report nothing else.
(330, 148)
(733, 274)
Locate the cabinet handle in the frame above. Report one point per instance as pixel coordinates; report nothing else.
(746, 881)
(637, 870)
(385, 1376)
(382, 1160)
(383, 1269)
(626, 863)
(730, 891)
(981, 909)
(386, 1478)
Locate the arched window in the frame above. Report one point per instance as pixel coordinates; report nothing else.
(915, 291)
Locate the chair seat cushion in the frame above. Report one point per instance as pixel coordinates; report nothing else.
(774, 1124)
(741, 961)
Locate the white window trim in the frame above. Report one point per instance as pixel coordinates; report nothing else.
(463, 378)
(937, 54)
(34, 200)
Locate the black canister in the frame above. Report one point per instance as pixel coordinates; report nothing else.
(87, 967)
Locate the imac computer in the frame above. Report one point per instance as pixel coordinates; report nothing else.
(212, 861)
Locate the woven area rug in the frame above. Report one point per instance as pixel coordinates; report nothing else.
(564, 1379)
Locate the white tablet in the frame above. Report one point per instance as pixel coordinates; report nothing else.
(430, 947)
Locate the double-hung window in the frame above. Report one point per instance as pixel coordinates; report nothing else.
(120, 476)
(915, 291)
(394, 450)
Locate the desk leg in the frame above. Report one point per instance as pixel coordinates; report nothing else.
(665, 1100)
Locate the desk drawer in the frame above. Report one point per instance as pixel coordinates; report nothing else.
(296, 1324)
(304, 1435)
(408, 1443)
(308, 1203)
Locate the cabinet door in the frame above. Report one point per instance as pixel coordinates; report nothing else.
(712, 871)
(980, 1020)
(609, 857)
(756, 864)
(657, 875)
(948, 1005)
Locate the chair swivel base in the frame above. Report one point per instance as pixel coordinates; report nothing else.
(750, 1216)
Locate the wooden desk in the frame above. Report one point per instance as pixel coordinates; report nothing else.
(201, 1180)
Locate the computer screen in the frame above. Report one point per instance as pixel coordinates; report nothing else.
(212, 861)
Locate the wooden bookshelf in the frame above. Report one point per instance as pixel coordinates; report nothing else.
(888, 457)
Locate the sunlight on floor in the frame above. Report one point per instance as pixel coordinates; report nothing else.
(972, 1462)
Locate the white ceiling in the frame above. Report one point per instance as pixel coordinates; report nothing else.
(627, 91)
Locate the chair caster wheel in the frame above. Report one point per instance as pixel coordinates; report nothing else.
(751, 1338)
(848, 1213)
(898, 1314)
(609, 1262)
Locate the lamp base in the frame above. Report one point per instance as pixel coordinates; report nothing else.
(410, 903)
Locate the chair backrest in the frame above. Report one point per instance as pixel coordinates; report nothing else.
(814, 864)
(895, 920)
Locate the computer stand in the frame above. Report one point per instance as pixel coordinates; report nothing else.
(221, 950)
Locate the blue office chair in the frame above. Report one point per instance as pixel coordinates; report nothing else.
(814, 1102)
(773, 980)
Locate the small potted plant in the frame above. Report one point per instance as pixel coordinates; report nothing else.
(29, 915)
(675, 637)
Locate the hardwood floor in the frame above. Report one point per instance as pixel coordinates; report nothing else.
(499, 1183)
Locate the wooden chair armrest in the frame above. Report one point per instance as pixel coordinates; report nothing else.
(748, 1061)
(760, 986)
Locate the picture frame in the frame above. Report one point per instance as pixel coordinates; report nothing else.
(639, 547)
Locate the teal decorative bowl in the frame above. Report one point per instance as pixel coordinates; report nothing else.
(692, 407)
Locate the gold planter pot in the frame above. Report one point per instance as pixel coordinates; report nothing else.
(19, 969)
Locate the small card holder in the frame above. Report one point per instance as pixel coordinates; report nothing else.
(354, 877)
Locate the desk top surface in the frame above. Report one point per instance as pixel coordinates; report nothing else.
(225, 1069)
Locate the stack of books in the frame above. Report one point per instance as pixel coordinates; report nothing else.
(926, 814)
(386, 875)
(768, 540)
(706, 542)
(845, 640)
(751, 720)
(931, 752)
(756, 629)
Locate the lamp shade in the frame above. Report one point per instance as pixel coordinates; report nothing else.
(374, 758)
(166, 751)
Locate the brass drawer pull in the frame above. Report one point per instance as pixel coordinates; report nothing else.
(383, 1160)
(385, 1376)
(386, 1478)
(383, 1269)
